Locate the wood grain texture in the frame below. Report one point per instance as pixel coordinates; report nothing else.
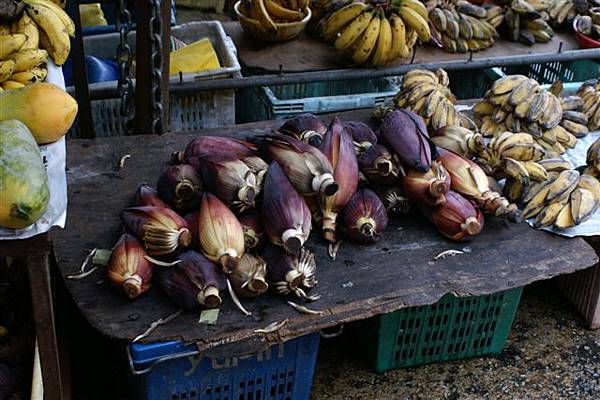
(308, 54)
(396, 272)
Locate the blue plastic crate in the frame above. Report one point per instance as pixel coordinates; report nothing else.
(175, 371)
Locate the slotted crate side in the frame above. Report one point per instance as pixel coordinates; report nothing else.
(472, 83)
(548, 73)
(276, 102)
(282, 372)
(187, 113)
(453, 328)
(582, 289)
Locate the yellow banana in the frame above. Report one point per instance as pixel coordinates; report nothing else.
(338, 20)
(578, 130)
(416, 6)
(535, 199)
(353, 31)
(383, 49)
(26, 26)
(555, 164)
(281, 12)
(60, 13)
(368, 41)
(8, 85)
(27, 59)
(399, 49)
(260, 13)
(416, 22)
(564, 219)
(48, 21)
(552, 113)
(524, 152)
(31, 76)
(536, 110)
(583, 205)
(548, 215)
(521, 92)
(6, 69)
(536, 171)
(562, 187)
(507, 84)
(11, 43)
(590, 183)
(484, 107)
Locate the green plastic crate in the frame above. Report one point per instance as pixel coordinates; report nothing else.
(451, 329)
(276, 102)
(472, 84)
(548, 73)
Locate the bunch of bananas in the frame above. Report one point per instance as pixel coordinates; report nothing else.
(460, 140)
(524, 21)
(563, 200)
(427, 93)
(590, 95)
(376, 31)
(516, 157)
(494, 15)
(270, 12)
(43, 29)
(562, 12)
(459, 26)
(517, 103)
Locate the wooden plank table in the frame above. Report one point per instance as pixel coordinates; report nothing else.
(308, 54)
(396, 272)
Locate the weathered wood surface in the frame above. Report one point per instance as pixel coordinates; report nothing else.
(396, 272)
(307, 54)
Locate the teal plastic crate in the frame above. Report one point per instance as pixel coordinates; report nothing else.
(276, 102)
(548, 73)
(451, 329)
(472, 84)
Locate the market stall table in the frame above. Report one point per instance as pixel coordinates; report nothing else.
(309, 54)
(396, 272)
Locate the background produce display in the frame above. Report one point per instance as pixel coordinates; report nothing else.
(42, 30)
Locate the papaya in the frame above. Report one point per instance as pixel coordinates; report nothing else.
(47, 110)
(24, 190)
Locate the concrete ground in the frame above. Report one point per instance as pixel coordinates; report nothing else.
(549, 355)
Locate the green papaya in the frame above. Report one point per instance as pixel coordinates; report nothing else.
(24, 190)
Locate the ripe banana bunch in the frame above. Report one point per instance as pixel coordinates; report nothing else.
(494, 15)
(590, 95)
(524, 21)
(459, 26)
(375, 31)
(54, 27)
(565, 199)
(514, 156)
(427, 93)
(271, 12)
(517, 103)
(26, 43)
(562, 12)
(460, 140)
